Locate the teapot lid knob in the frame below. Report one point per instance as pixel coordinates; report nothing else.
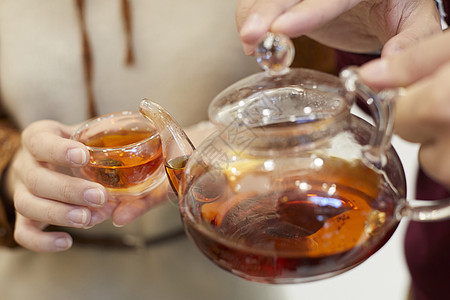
(275, 52)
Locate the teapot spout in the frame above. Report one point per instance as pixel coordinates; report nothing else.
(176, 146)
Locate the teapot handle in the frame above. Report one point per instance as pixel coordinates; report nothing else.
(425, 210)
(381, 106)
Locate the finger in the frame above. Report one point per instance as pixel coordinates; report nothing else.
(423, 113)
(243, 9)
(49, 141)
(399, 42)
(29, 234)
(48, 211)
(129, 210)
(309, 15)
(46, 183)
(411, 34)
(417, 21)
(259, 16)
(100, 214)
(410, 65)
(435, 160)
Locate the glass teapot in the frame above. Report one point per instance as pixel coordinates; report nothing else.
(292, 187)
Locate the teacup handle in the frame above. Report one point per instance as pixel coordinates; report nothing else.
(381, 106)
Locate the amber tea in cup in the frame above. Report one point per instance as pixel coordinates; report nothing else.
(125, 154)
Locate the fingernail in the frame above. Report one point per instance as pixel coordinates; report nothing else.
(374, 69)
(95, 197)
(118, 225)
(248, 49)
(63, 243)
(77, 156)
(78, 216)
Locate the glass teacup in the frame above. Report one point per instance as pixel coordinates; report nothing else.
(125, 154)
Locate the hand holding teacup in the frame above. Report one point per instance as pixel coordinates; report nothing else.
(45, 193)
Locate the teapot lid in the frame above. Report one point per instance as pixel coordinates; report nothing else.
(280, 94)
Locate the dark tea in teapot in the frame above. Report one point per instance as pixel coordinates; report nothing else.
(302, 226)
